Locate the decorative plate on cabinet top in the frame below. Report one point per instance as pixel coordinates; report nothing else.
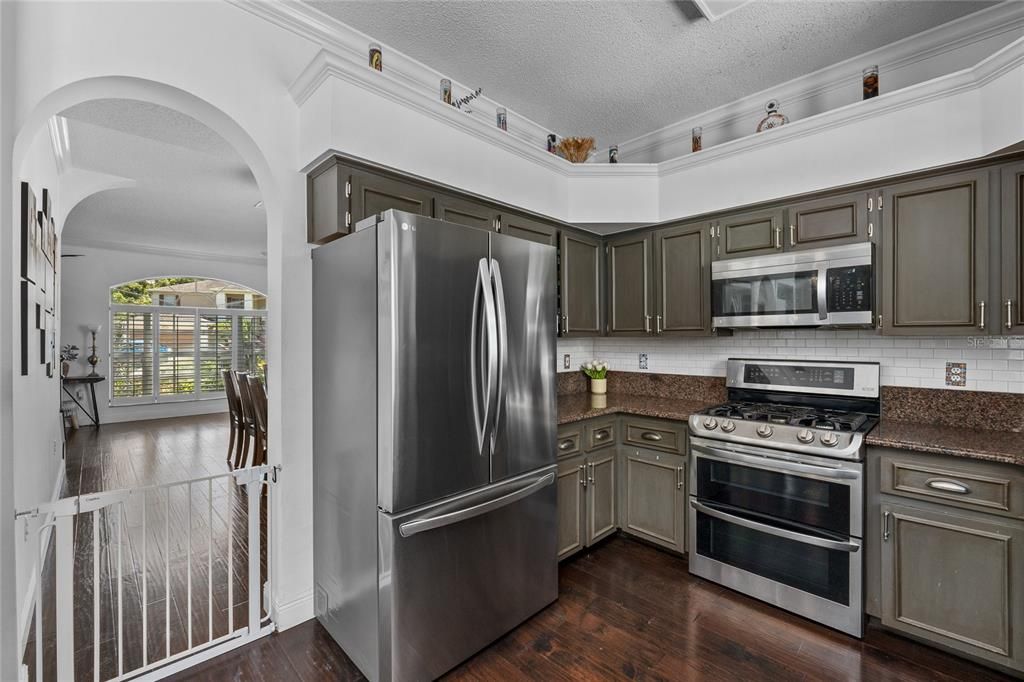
(774, 119)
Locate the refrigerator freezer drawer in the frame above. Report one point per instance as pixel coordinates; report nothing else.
(457, 575)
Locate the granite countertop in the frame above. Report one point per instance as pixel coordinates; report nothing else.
(994, 446)
(579, 406)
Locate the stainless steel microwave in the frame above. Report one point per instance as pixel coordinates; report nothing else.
(829, 287)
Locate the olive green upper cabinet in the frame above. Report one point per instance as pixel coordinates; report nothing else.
(682, 277)
(375, 193)
(1011, 312)
(629, 285)
(827, 222)
(935, 256)
(580, 313)
(327, 216)
(462, 212)
(755, 233)
(527, 228)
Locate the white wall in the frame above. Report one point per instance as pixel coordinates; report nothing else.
(85, 299)
(993, 364)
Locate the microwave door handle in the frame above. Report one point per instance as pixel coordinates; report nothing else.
(836, 545)
(822, 289)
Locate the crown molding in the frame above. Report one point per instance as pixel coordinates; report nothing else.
(973, 28)
(129, 247)
(994, 66)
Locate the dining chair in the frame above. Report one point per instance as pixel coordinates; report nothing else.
(248, 422)
(234, 415)
(259, 398)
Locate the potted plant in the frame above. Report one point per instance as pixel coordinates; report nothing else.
(597, 370)
(68, 353)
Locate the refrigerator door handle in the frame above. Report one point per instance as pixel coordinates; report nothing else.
(491, 331)
(426, 523)
(475, 364)
(502, 328)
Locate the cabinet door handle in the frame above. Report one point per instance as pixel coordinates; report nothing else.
(590, 479)
(778, 237)
(981, 308)
(947, 486)
(650, 435)
(657, 324)
(885, 526)
(566, 444)
(679, 478)
(792, 235)
(1009, 313)
(647, 324)
(583, 476)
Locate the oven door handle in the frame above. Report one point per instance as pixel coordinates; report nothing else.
(776, 463)
(779, 532)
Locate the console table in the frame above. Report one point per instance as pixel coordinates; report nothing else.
(65, 382)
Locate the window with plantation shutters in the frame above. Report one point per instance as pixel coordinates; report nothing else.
(131, 354)
(215, 350)
(161, 353)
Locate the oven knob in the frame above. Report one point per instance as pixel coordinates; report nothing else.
(829, 439)
(728, 426)
(805, 436)
(764, 431)
(710, 423)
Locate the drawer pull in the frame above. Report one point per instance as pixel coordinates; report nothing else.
(947, 486)
(601, 435)
(566, 444)
(650, 435)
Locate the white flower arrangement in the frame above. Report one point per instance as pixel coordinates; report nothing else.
(595, 369)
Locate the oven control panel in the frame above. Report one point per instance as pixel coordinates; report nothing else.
(814, 376)
(849, 289)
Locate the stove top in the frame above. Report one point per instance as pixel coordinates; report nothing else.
(794, 415)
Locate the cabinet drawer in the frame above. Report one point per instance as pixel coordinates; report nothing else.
(980, 486)
(600, 434)
(657, 435)
(570, 439)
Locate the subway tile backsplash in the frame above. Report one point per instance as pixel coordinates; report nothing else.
(993, 363)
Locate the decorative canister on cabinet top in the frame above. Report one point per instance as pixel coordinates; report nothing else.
(774, 118)
(376, 58)
(446, 90)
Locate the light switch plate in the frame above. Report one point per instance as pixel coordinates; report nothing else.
(643, 360)
(956, 373)
(565, 361)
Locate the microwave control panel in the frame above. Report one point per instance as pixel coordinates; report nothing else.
(849, 289)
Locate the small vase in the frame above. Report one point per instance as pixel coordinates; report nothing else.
(599, 386)
(598, 402)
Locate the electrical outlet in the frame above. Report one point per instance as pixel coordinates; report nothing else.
(956, 373)
(643, 360)
(565, 361)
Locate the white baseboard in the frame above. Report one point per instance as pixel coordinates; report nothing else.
(29, 600)
(294, 612)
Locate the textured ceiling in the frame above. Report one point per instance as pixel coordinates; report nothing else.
(191, 191)
(616, 70)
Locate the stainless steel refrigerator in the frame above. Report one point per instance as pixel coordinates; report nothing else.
(434, 441)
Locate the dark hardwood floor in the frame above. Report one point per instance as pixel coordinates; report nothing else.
(133, 455)
(629, 611)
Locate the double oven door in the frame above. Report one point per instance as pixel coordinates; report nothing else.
(784, 528)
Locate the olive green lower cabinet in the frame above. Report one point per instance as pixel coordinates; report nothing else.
(950, 549)
(587, 484)
(654, 497)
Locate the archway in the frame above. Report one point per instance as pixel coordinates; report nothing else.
(129, 88)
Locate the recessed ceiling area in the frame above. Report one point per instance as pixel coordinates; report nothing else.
(189, 189)
(617, 70)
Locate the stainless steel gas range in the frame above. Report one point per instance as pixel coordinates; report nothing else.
(777, 486)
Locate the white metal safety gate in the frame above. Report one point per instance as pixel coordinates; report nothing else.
(134, 517)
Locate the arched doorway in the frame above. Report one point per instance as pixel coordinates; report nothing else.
(102, 191)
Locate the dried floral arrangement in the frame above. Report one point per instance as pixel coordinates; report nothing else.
(576, 149)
